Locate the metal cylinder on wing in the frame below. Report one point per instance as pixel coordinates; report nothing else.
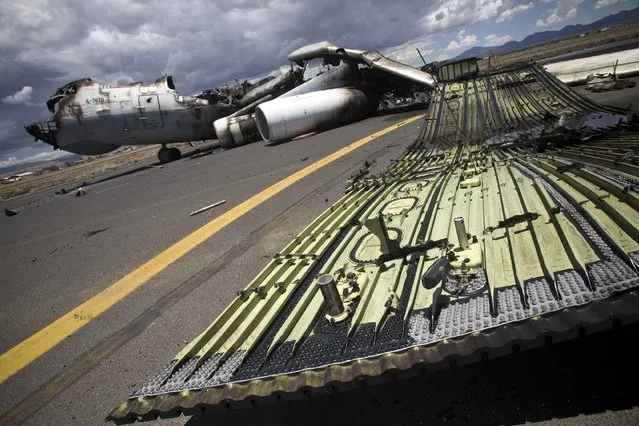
(285, 118)
(462, 234)
(328, 287)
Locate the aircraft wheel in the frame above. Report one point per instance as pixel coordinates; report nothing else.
(175, 154)
(165, 155)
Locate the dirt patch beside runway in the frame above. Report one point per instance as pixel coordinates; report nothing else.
(567, 46)
(79, 172)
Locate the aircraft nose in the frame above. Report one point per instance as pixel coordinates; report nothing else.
(46, 132)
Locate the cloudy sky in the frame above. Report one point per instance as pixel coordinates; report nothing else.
(45, 44)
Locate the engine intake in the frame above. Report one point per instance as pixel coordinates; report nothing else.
(288, 117)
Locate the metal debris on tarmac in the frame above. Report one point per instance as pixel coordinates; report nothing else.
(480, 240)
(203, 209)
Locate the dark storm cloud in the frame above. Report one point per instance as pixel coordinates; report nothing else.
(13, 136)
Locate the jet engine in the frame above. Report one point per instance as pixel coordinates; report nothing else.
(288, 117)
(236, 131)
(240, 127)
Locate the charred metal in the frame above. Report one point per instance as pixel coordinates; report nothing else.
(92, 118)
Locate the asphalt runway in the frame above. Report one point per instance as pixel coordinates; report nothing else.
(63, 250)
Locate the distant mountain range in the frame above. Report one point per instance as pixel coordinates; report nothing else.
(623, 17)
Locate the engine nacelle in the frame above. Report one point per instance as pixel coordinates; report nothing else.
(288, 117)
(236, 131)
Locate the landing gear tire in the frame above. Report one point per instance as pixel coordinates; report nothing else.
(175, 154)
(166, 155)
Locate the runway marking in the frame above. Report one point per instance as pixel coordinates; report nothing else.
(24, 353)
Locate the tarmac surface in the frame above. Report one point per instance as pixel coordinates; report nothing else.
(61, 250)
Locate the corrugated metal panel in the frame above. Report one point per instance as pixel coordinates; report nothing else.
(550, 244)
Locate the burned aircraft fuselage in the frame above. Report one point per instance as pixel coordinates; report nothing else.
(91, 118)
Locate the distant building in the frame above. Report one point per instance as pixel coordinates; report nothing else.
(15, 178)
(457, 70)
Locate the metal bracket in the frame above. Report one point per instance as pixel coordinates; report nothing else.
(390, 247)
(513, 220)
(376, 225)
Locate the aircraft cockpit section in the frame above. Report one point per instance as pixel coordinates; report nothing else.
(65, 91)
(166, 81)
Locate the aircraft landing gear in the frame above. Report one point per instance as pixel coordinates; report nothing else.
(175, 153)
(166, 155)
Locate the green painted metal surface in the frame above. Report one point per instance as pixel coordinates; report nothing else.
(550, 214)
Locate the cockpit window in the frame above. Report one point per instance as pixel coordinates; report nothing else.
(169, 82)
(64, 91)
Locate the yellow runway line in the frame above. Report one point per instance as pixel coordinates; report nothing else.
(24, 353)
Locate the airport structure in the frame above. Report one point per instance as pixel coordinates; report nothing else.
(15, 177)
(511, 221)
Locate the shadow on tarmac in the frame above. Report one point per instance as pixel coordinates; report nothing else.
(591, 374)
(196, 153)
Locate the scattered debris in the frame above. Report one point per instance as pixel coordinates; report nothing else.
(602, 82)
(634, 152)
(572, 166)
(9, 212)
(304, 159)
(55, 249)
(35, 259)
(363, 171)
(571, 121)
(80, 192)
(97, 231)
(203, 209)
(403, 97)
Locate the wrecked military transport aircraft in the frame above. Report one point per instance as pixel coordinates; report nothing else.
(91, 118)
(510, 222)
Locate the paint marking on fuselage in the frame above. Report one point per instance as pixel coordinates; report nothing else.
(24, 353)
